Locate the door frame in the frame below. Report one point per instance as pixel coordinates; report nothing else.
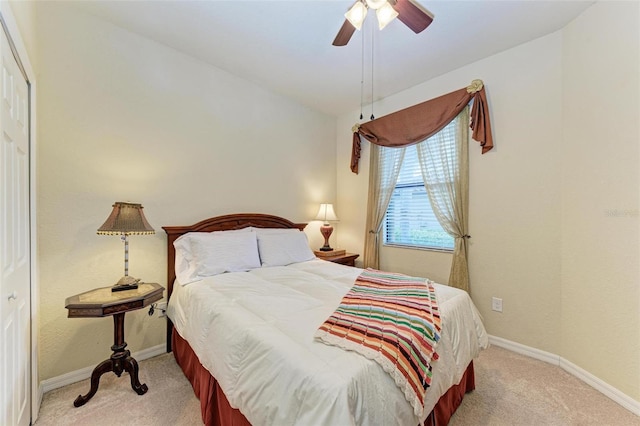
(10, 26)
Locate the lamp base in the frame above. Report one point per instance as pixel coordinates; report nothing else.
(126, 283)
(326, 231)
(124, 287)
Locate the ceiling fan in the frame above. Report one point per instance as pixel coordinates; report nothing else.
(410, 13)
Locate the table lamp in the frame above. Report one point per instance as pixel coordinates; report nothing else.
(126, 219)
(326, 214)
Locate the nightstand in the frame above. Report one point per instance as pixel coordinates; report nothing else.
(348, 259)
(102, 302)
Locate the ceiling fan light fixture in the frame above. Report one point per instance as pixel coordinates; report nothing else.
(385, 14)
(376, 4)
(356, 14)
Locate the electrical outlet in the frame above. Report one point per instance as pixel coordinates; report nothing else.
(162, 309)
(496, 304)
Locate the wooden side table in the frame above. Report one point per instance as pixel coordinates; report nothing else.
(102, 302)
(348, 259)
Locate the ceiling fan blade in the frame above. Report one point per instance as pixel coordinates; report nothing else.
(413, 15)
(345, 33)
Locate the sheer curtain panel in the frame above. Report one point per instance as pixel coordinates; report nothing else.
(444, 162)
(383, 174)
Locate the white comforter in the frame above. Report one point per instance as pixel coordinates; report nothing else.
(254, 331)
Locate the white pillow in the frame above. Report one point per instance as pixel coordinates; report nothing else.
(183, 249)
(203, 254)
(283, 248)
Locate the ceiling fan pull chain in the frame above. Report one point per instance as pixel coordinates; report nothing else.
(372, 99)
(362, 79)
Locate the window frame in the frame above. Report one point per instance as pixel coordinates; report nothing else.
(385, 225)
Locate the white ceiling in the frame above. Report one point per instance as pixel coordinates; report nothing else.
(285, 46)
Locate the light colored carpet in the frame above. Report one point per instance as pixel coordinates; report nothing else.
(169, 400)
(511, 389)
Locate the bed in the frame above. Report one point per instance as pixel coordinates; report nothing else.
(245, 339)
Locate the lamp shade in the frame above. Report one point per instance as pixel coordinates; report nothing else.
(385, 14)
(128, 219)
(326, 213)
(356, 14)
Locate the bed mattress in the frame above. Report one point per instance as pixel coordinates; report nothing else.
(253, 331)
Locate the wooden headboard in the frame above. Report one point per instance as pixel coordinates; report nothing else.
(218, 223)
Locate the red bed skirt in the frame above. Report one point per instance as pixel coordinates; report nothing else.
(216, 410)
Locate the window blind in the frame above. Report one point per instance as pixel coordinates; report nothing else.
(410, 220)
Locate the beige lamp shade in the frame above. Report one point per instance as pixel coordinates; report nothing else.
(326, 213)
(126, 218)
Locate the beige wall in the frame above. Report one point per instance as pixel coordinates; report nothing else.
(565, 115)
(514, 197)
(122, 118)
(600, 325)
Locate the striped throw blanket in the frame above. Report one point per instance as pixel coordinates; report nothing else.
(394, 320)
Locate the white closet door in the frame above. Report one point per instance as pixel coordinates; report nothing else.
(15, 311)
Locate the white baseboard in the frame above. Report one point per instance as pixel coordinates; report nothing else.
(525, 350)
(36, 410)
(85, 373)
(621, 398)
(598, 384)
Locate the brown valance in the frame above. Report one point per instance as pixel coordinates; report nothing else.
(419, 122)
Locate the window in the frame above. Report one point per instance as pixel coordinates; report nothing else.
(410, 220)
